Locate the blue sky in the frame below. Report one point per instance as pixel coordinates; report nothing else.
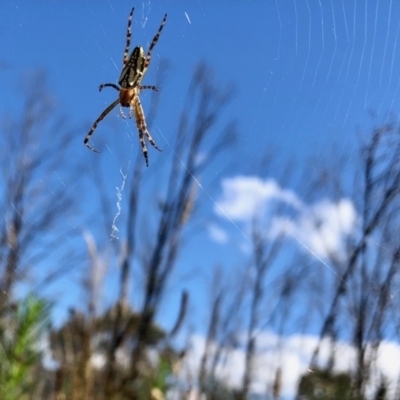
(306, 75)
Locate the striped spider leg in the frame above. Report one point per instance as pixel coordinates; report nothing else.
(135, 67)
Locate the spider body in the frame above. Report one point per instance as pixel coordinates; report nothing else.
(135, 67)
(134, 70)
(126, 96)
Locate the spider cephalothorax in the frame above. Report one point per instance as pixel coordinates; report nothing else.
(135, 67)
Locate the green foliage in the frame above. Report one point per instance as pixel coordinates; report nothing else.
(21, 329)
(325, 385)
(81, 336)
(163, 374)
(216, 389)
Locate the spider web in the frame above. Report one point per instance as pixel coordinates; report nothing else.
(320, 68)
(306, 75)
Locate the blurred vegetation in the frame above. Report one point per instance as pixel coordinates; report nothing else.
(119, 351)
(22, 330)
(322, 384)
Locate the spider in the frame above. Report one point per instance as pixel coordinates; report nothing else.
(135, 67)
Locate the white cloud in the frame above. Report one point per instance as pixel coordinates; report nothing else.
(320, 228)
(217, 234)
(245, 197)
(293, 355)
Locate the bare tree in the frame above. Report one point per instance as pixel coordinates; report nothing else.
(264, 255)
(368, 276)
(38, 244)
(224, 325)
(35, 199)
(197, 145)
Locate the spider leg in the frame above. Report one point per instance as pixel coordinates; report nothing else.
(108, 85)
(121, 111)
(149, 87)
(128, 37)
(101, 117)
(131, 110)
(141, 119)
(139, 124)
(143, 144)
(153, 43)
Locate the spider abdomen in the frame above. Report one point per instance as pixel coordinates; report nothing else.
(126, 96)
(133, 71)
